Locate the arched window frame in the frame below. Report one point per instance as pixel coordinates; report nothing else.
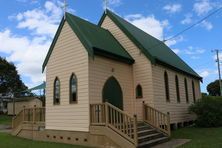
(177, 88)
(56, 99)
(166, 82)
(139, 91)
(193, 89)
(73, 100)
(186, 90)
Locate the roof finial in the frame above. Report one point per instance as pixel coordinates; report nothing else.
(64, 8)
(105, 5)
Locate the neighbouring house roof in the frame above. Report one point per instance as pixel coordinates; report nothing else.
(95, 39)
(155, 50)
(39, 87)
(24, 99)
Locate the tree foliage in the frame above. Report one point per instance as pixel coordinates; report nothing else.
(10, 81)
(214, 88)
(208, 111)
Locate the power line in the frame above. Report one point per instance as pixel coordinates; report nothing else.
(198, 22)
(188, 28)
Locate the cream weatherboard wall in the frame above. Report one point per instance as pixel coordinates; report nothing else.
(27, 103)
(178, 111)
(68, 56)
(100, 69)
(142, 71)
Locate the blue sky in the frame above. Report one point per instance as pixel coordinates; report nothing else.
(27, 28)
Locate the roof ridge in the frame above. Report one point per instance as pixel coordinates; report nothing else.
(138, 36)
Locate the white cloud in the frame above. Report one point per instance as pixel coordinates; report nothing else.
(174, 41)
(202, 7)
(176, 51)
(207, 25)
(173, 8)
(207, 72)
(194, 51)
(204, 73)
(187, 19)
(149, 24)
(28, 52)
(41, 21)
(114, 2)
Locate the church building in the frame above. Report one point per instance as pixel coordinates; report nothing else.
(114, 81)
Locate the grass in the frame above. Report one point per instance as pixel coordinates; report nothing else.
(200, 137)
(6, 120)
(9, 141)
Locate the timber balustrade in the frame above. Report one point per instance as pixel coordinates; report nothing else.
(105, 114)
(29, 115)
(156, 118)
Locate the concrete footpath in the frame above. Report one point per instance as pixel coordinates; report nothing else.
(173, 143)
(5, 128)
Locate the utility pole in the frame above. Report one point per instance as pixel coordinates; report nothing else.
(218, 66)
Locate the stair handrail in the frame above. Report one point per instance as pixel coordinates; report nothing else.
(115, 119)
(157, 119)
(18, 119)
(37, 115)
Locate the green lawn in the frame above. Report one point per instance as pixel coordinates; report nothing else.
(4, 119)
(200, 137)
(8, 141)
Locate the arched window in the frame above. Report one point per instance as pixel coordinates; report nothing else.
(56, 98)
(139, 91)
(177, 88)
(166, 81)
(194, 95)
(186, 90)
(73, 89)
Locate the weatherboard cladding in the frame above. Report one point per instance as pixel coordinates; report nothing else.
(100, 41)
(95, 39)
(155, 50)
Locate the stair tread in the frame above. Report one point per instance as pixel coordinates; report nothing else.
(153, 141)
(144, 131)
(149, 135)
(141, 126)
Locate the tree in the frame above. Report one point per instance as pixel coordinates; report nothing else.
(214, 88)
(10, 81)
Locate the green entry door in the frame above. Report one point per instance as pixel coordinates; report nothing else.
(112, 93)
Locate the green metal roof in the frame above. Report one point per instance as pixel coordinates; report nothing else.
(39, 87)
(154, 49)
(95, 39)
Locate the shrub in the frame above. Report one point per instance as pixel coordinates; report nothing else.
(208, 111)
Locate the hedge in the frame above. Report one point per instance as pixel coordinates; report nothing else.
(208, 111)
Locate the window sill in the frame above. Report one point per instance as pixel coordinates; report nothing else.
(73, 102)
(139, 97)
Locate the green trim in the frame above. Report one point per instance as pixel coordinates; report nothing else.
(79, 33)
(177, 69)
(92, 37)
(112, 56)
(53, 44)
(131, 37)
(189, 71)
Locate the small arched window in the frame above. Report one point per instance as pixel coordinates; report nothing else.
(194, 95)
(139, 91)
(167, 91)
(56, 98)
(177, 88)
(186, 90)
(73, 89)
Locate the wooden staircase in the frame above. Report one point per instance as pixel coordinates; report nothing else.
(149, 136)
(152, 130)
(31, 116)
